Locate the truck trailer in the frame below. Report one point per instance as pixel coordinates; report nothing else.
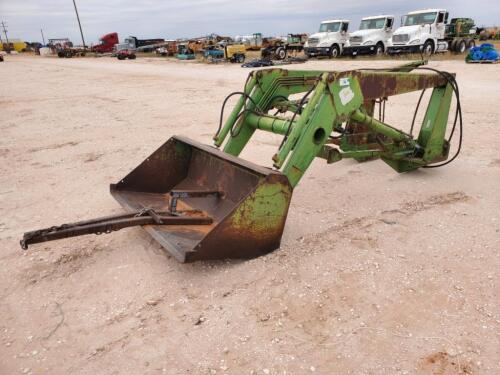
(428, 31)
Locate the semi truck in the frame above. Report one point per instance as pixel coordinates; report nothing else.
(144, 45)
(107, 43)
(329, 40)
(428, 31)
(131, 45)
(372, 37)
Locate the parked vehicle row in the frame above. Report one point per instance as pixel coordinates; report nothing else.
(423, 31)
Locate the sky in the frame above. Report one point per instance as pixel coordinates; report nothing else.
(191, 18)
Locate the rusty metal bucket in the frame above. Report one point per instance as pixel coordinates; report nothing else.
(248, 210)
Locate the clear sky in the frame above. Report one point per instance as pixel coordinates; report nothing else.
(191, 18)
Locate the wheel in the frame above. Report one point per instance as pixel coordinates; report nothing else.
(453, 45)
(379, 49)
(471, 43)
(131, 57)
(68, 54)
(240, 59)
(334, 51)
(280, 53)
(428, 48)
(120, 57)
(60, 54)
(461, 46)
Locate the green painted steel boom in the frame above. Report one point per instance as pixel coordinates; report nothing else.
(334, 119)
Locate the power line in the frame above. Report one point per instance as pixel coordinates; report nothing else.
(4, 26)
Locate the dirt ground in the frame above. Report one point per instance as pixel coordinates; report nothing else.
(377, 273)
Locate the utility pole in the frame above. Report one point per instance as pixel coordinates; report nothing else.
(79, 24)
(43, 39)
(4, 26)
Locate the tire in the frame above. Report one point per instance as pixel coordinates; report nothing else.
(453, 45)
(132, 57)
(379, 49)
(240, 59)
(120, 57)
(60, 54)
(68, 54)
(334, 51)
(471, 43)
(461, 46)
(280, 53)
(428, 48)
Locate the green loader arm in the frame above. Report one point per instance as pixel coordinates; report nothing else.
(334, 119)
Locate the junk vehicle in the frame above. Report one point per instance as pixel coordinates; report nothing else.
(372, 37)
(329, 40)
(124, 51)
(428, 31)
(234, 53)
(107, 43)
(184, 52)
(280, 48)
(63, 47)
(252, 42)
(198, 45)
(14, 45)
(203, 202)
(129, 48)
(169, 48)
(486, 33)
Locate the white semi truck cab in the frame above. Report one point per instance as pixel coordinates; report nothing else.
(421, 31)
(329, 40)
(372, 37)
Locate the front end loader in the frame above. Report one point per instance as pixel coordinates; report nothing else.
(203, 202)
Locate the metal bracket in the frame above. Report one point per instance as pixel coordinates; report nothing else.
(175, 195)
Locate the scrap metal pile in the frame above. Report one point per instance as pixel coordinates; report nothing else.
(201, 202)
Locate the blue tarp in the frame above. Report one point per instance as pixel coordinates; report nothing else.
(485, 51)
